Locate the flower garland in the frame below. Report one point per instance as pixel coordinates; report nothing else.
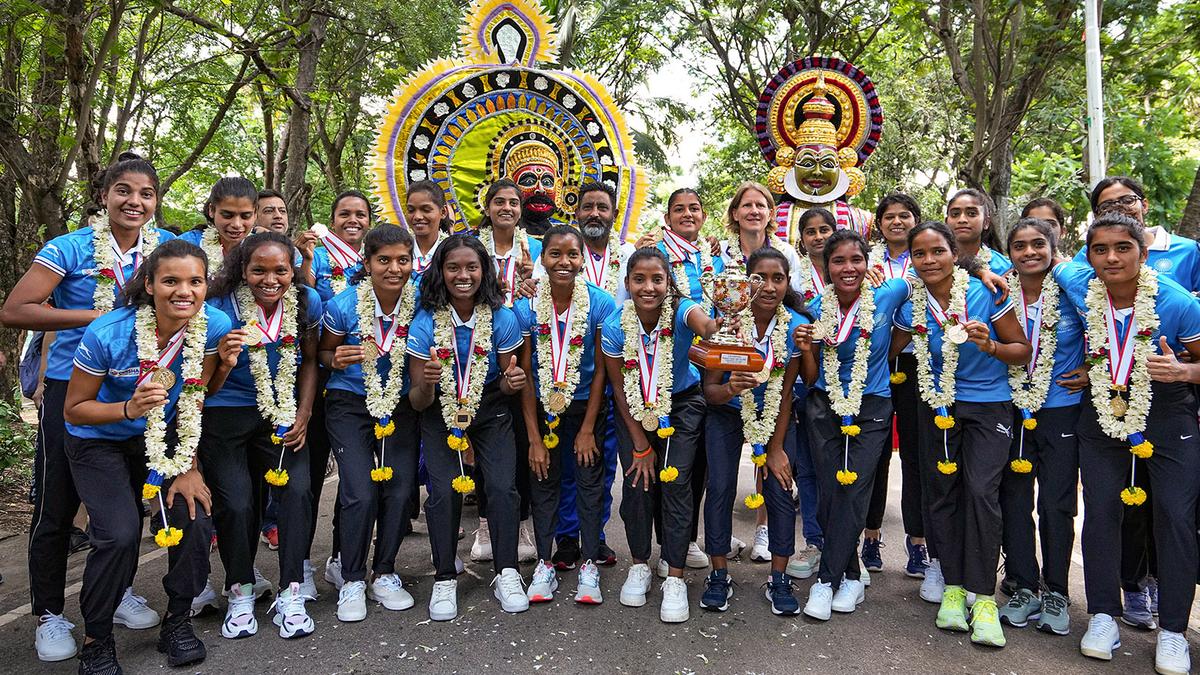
(1031, 385)
(846, 403)
(275, 397)
(337, 278)
(679, 270)
(656, 415)
(613, 255)
(458, 412)
(556, 394)
(941, 395)
(759, 425)
(210, 241)
(1118, 418)
(808, 289)
(104, 295)
(984, 257)
(188, 409)
(381, 399)
(487, 237)
(737, 259)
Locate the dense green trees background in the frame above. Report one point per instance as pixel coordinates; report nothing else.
(986, 93)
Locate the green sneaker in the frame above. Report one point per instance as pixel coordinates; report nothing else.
(1021, 608)
(985, 623)
(1055, 618)
(952, 615)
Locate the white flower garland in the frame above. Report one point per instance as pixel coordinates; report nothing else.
(848, 404)
(443, 334)
(210, 241)
(614, 265)
(191, 400)
(488, 238)
(1133, 423)
(940, 395)
(382, 398)
(733, 250)
(1029, 390)
(663, 363)
(758, 425)
(275, 396)
(704, 276)
(544, 313)
(984, 257)
(807, 290)
(104, 295)
(878, 254)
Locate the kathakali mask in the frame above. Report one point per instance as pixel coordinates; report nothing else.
(464, 123)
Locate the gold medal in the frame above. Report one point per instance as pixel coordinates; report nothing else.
(1118, 405)
(818, 332)
(163, 376)
(557, 402)
(370, 350)
(764, 374)
(956, 333)
(463, 419)
(650, 423)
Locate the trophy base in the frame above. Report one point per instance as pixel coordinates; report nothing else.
(710, 356)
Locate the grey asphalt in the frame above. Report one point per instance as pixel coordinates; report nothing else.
(893, 631)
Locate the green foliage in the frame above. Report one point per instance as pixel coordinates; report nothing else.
(16, 436)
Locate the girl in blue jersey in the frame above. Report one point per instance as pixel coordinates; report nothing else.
(338, 259)
(370, 419)
(131, 367)
(766, 425)
(565, 408)
(1140, 407)
(849, 411)
(231, 211)
(256, 427)
(81, 274)
(463, 362)
(656, 391)
(969, 215)
(428, 218)
(1046, 395)
(963, 343)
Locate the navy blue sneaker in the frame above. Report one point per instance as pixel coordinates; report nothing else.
(718, 588)
(918, 559)
(870, 554)
(781, 593)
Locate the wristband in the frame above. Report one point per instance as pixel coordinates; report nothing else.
(644, 454)
(125, 411)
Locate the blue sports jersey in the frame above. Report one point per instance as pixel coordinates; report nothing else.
(239, 388)
(506, 337)
(71, 257)
(109, 350)
(760, 392)
(980, 378)
(322, 269)
(1171, 255)
(888, 298)
(1178, 310)
(1068, 354)
(600, 306)
(341, 318)
(691, 267)
(999, 263)
(684, 374)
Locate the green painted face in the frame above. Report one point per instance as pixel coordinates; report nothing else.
(816, 170)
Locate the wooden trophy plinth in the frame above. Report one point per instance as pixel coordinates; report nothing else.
(713, 356)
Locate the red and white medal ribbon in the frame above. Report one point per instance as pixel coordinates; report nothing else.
(649, 379)
(845, 324)
(506, 269)
(420, 262)
(939, 315)
(1120, 352)
(462, 367)
(270, 326)
(595, 268)
(166, 357)
(385, 336)
(342, 253)
(889, 269)
(1034, 334)
(818, 284)
(680, 249)
(119, 269)
(762, 343)
(559, 346)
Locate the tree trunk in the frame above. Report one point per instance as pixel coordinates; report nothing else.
(1189, 226)
(999, 183)
(298, 142)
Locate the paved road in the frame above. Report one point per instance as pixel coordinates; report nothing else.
(892, 632)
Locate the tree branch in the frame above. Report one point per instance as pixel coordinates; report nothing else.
(218, 117)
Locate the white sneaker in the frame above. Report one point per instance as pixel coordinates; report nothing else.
(662, 569)
(510, 591)
(696, 559)
(443, 603)
(543, 583)
(805, 563)
(934, 584)
(761, 551)
(588, 592)
(333, 572)
(133, 612)
(481, 549)
(820, 601)
(848, 597)
(290, 615)
(352, 601)
(1101, 638)
(526, 550)
(261, 585)
(637, 584)
(308, 587)
(53, 638)
(1171, 656)
(388, 590)
(864, 577)
(205, 602)
(239, 615)
(736, 546)
(674, 607)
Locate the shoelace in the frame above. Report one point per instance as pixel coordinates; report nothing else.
(508, 584)
(104, 658)
(542, 573)
(1053, 604)
(442, 592)
(291, 604)
(781, 587)
(761, 536)
(241, 604)
(984, 611)
(589, 575)
(353, 590)
(390, 581)
(1019, 598)
(56, 625)
(182, 635)
(130, 598)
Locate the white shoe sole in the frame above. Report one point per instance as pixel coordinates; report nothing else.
(136, 626)
(54, 658)
(673, 617)
(542, 597)
(759, 557)
(395, 606)
(351, 616)
(592, 597)
(287, 634)
(250, 630)
(632, 599)
(443, 616)
(847, 609)
(1099, 653)
(1164, 670)
(814, 614)
(795, 572)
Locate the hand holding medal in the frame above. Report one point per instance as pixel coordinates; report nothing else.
(230, 347)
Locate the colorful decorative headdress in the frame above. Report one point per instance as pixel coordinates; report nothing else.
(464, 123)
(818, 101)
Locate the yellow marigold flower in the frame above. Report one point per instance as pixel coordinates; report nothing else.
(754, 501)
(553, 424)
(759, 460)
(1021, 466)
(463, 485)
(168, 536)
(276, 440)
(1133, 496)
(898, 378)
(277, 478)
(1030, 423)
(947, 467)
(1142, 450)
(383, 431)
(668, 474)
(846, 477)
(149, 491)
(456, 443)
(550, 440)
(944, 422)
(666, 432)
(383, 473)
(851, 429)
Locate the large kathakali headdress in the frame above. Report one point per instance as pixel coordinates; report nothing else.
(464, 123)
(818, 120)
